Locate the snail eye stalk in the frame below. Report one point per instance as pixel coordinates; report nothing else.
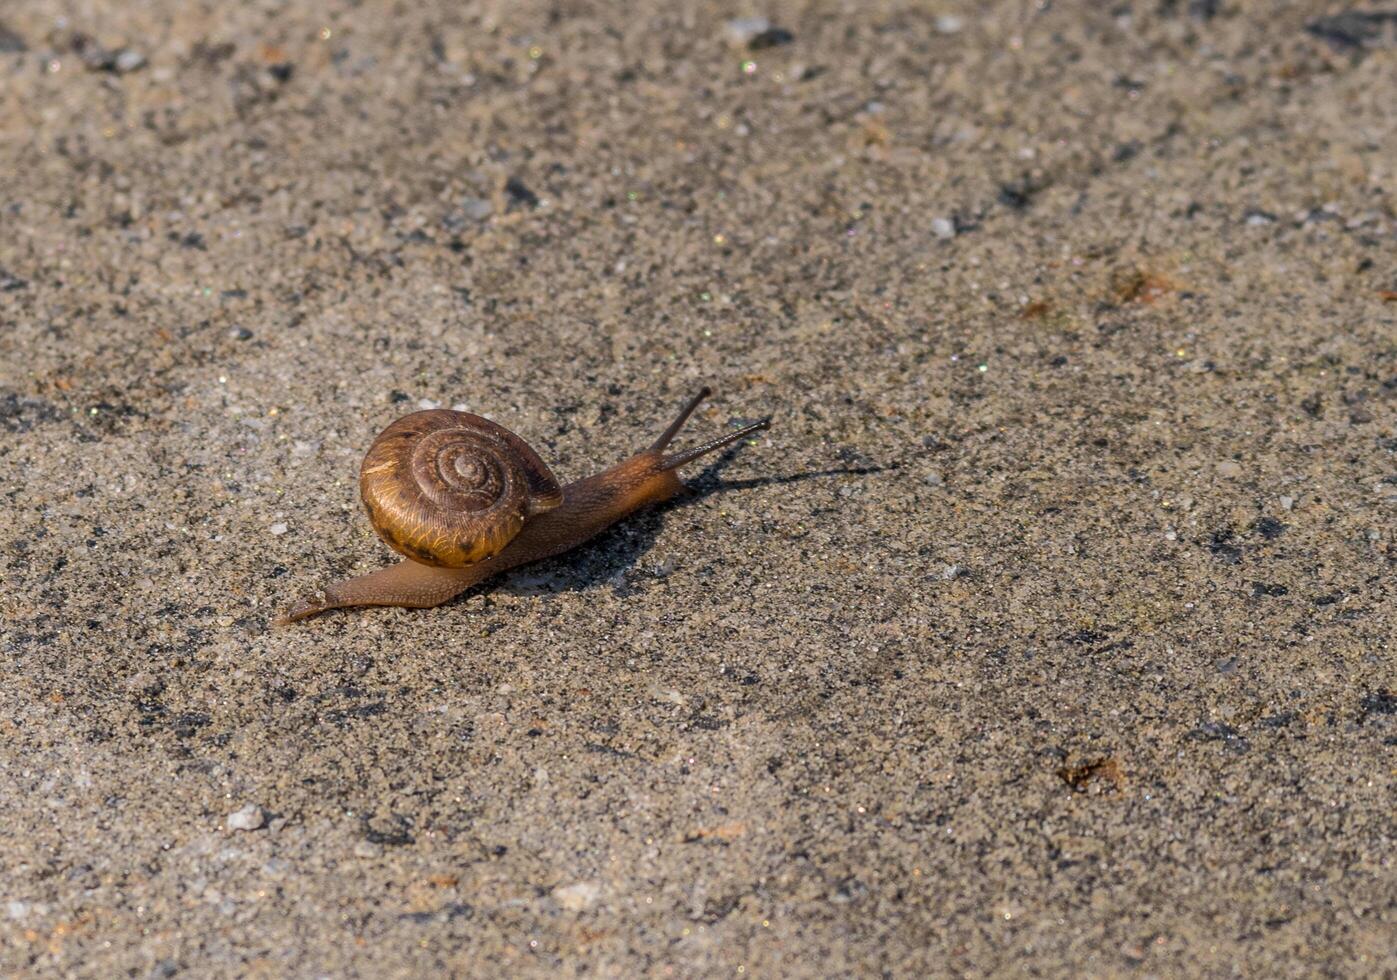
(688, 456)
(713, 445)
(668, 435)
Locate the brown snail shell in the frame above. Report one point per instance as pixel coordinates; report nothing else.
(451, 489)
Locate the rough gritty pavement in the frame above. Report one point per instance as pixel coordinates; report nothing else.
(1048, 632)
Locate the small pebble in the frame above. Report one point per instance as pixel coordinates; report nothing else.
(240, 333)
(741, 30)
(772, 37)
(1287, 503)
(943, 228)
(476, 208)
(578, 896)
(279, 528)
(426, 403)
(17, 910)
(249, 817)
(950, 572)
(949, 24)
(1229, 469)
(127, 61)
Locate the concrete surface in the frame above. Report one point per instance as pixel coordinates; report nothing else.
(1048, 632)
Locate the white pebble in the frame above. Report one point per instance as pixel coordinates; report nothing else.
(17, 910)
(128, 60)
(950, 572)
(578, 896)
(949, 24)
(743, 29)
(428, 403)
(943, 228)
(1287, 503)
(1229, 469)
(249, 817)
(279, 528)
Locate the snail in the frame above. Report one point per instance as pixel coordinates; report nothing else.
(462, 498)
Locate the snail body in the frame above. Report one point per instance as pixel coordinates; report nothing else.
(463, 498)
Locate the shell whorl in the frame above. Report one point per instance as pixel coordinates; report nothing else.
(450, 488)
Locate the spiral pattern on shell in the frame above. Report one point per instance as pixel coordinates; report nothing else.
(450, 488)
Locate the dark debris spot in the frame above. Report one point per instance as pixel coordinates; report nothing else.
(10, 42)
(718, 909)
(370, 710)
(1381, 702)
(20, 414)
(1216, 731)
(397, 837)
(188, 723)
(1017, 195)
(1221, 546)
(9, 283)
(1268, 589)
(1270, 528)
(95, 57)
(772, 37)
(452, 910)
(598, 748)
(1354, 30)
(519, 194)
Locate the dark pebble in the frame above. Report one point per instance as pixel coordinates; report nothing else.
(772, 37)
